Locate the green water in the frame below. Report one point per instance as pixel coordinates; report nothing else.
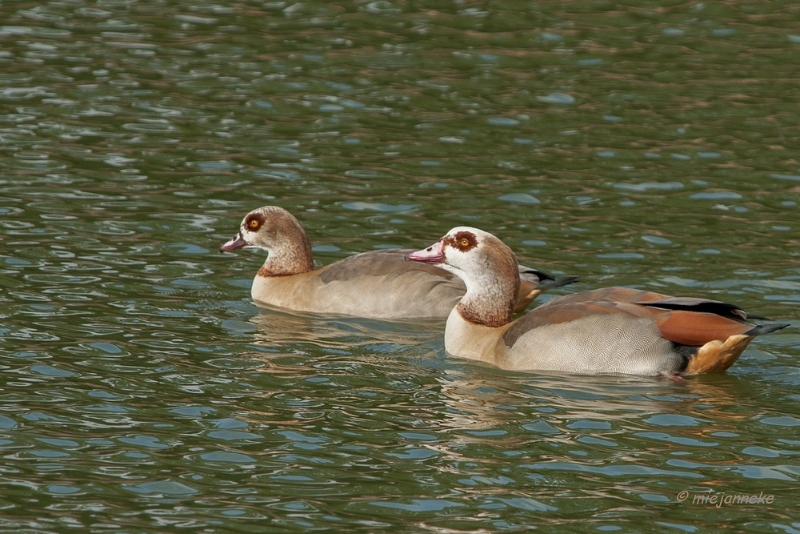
(642, 144)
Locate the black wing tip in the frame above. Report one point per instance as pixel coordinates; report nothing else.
(564, 280)
(541, 275)
(557, 281)
(762, 329)
(547, 280)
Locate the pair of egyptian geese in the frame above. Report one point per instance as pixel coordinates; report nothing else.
(610, 330)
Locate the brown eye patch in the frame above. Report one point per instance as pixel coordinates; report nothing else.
(254, 222)
(463, 241)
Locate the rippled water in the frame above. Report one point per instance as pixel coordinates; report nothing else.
(649, 145)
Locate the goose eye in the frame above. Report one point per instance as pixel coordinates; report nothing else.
(464, 242)
(254, 223)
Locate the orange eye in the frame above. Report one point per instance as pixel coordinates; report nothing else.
(465, 242)
(253, 223)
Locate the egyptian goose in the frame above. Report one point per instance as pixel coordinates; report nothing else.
(611, 330)
(376, 284)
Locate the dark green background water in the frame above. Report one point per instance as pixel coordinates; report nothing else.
(637, 143)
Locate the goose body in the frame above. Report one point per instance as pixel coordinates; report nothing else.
(375, 284)
(610, 330)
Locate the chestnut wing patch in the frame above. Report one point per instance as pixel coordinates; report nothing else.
(698, 328)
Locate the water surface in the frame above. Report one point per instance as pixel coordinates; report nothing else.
(646, 145)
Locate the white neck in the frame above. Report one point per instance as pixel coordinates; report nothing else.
(490, 297)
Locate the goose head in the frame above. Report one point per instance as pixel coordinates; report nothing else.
(279, 233)
(488, 268)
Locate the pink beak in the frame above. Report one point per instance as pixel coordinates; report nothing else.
(234, 243)
(432, 254)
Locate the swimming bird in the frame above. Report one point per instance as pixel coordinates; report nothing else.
(375, 284)
(609, 330)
